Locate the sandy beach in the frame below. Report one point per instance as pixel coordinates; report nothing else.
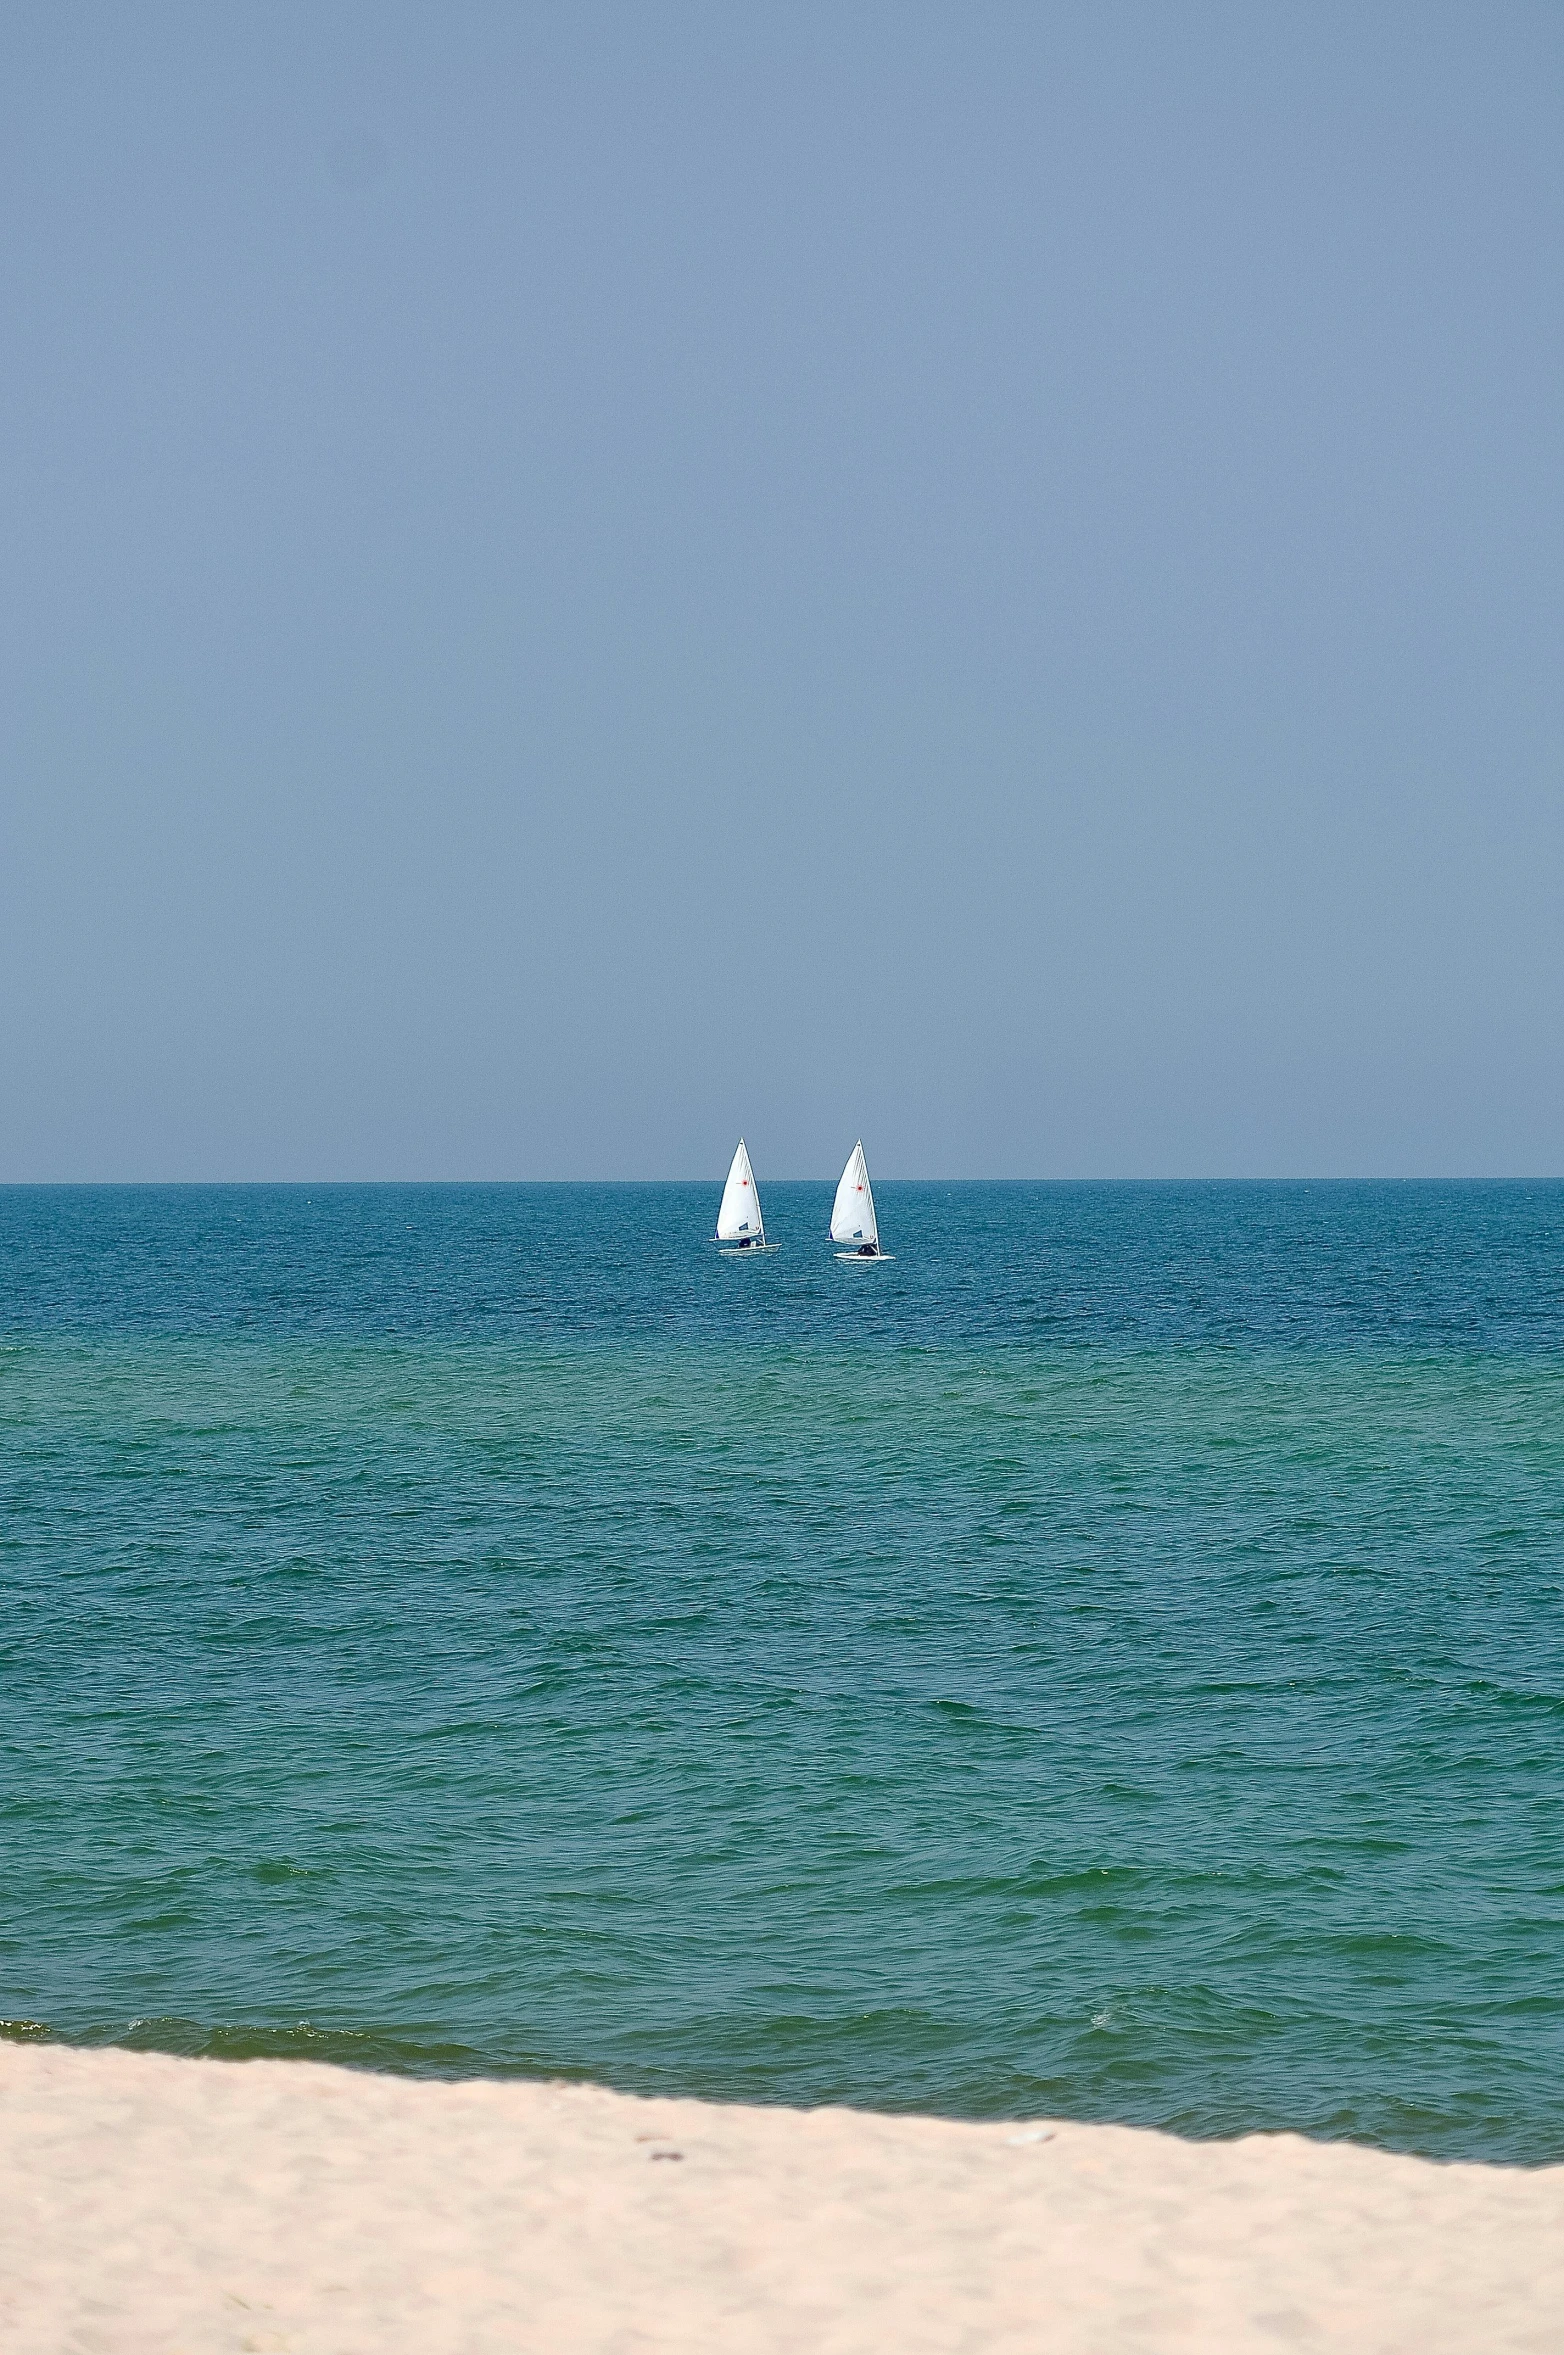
(182, 2206)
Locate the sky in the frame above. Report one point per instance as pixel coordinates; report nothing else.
(583, 579)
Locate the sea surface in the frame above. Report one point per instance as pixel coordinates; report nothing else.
(1107, 1660)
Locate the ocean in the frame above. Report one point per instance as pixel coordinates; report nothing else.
(1107, 1660)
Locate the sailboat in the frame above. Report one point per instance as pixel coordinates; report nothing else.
(852, 1214)
(739, 1223)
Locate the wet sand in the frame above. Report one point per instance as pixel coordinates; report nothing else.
(151, 2206)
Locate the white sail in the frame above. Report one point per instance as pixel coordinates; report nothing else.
(852, 1214)
(740, 1212)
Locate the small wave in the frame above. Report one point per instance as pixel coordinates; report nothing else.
(395, 2052)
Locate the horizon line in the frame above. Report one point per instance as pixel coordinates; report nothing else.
(714, 1178)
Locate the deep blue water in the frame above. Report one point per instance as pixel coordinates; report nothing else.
(1108, 1660)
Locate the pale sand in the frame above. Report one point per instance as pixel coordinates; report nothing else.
(152, 2204)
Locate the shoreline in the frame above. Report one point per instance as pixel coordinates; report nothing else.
(151, 2204)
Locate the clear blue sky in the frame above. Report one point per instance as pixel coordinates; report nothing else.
(577, 580)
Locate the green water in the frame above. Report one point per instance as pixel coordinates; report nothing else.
(1108, 1661)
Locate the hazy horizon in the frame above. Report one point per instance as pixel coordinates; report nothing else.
(582, 583)
(712, 1181)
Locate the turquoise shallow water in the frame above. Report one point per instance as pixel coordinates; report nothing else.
(1108, 1661)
